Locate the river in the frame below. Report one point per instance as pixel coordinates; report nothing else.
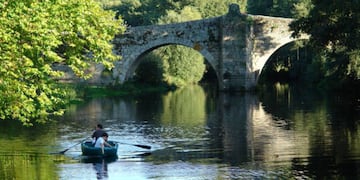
(195, 133)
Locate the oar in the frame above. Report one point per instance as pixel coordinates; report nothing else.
(62, 152)
(137, 145)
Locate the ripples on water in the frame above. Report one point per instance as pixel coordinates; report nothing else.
(286, 136)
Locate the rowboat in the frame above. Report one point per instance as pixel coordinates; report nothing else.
(88, 149)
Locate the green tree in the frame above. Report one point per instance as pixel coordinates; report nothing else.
(213, 8)
(259, 7)
(142, 12)
(146, 12)
(302, 8)
(334, 29)
(281, 8)
(35, 35)
(182, 65)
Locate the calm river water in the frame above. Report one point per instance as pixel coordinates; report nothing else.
(195, 133)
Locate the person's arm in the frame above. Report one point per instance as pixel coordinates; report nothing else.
(107, 144)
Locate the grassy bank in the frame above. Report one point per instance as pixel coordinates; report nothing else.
(127, 89)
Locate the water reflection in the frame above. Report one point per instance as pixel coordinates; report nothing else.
(101, 170)
(324, 129)
(185, 107)
(24, 152)
(283, 132)
(100, 165)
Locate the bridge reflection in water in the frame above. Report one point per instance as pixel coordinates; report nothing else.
(268, 139)
(196, 133)
(274, 134)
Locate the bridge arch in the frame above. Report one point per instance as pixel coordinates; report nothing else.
(136, 57)
(275, 51)
(271, 53)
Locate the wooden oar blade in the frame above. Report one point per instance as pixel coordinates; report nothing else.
(63, 152)
(143, 146)
(137, 145)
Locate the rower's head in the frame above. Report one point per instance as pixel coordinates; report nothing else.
(99, 126)
(105, 136)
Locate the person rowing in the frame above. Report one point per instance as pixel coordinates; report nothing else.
(99, 131)
(101, 142)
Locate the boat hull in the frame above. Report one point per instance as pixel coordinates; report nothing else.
(89, 150)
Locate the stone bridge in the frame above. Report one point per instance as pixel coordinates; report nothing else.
(236, 45)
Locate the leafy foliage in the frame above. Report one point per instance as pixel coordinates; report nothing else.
(35, 35)
(142, 12)
(213, 8)
(334, 27)
(302, 8)
(182, 65)
(287, 8)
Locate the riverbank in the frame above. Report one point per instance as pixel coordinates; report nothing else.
(128, 89)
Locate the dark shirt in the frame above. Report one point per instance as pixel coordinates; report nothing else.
(97, 133)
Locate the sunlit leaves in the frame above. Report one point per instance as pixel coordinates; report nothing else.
(36, 34)
(302, 8)
(213, 8)
(182, 66)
